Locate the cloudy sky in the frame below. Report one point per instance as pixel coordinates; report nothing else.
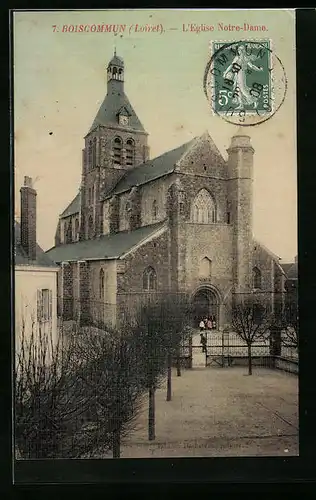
(60, 81)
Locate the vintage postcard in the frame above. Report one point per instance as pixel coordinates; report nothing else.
(155, 234)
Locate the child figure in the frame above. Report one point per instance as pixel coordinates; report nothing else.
(202, 325)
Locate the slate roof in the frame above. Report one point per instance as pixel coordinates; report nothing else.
(116, 60)
(20, 256)
(151, 169)
(110, 246)
(114, 100)
(73, 207)
(290, 270)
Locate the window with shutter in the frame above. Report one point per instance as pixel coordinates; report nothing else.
(44, 305)
(50, 311)
(39, 305)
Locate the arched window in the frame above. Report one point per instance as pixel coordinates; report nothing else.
(101, 284)
(149, 279)
(114, 73)
(117, 151)
(205, 270)
(256, 278)
(203, 208)
(130, 152)
(154, 210)
(90, 227)
(120, 72)
(94, 153)
(65, 232)
(90, 147)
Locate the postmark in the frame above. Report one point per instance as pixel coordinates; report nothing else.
(244, 81)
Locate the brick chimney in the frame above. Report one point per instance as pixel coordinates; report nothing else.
(28, 218)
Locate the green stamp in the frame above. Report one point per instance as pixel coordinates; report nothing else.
(240, 81)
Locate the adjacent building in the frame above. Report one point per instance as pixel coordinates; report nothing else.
(35, 275)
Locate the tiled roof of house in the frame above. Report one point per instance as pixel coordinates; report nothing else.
(151, 169)
(20, 256)
(73, 207)
(110, 246)
(290, 270)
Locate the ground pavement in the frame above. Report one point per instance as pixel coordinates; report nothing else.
(221, 412)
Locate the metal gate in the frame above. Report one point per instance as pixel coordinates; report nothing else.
(227, 349)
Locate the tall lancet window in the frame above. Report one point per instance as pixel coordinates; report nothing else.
(76, 231)
(117, 151)
(130, 152)
(101, 284)
(149, 279)
(203, 210)
(90, 227)
(94, 153)
(257, 278)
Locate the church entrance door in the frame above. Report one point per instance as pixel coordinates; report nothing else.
(205, 305)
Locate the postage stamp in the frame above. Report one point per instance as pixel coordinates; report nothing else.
(244, 81)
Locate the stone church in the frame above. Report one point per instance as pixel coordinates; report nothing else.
(180, 222)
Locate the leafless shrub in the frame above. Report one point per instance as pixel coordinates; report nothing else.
(113, 386)
(49, 399)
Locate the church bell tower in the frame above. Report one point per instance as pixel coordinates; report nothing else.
(115, 143)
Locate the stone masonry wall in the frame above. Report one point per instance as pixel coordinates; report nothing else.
(130, 275)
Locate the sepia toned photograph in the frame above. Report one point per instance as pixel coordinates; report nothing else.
(155, 234)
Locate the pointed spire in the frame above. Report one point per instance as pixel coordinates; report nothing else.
(114, 50)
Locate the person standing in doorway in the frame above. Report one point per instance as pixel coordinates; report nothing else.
(209, 324)
(203, 342)
(214, 323)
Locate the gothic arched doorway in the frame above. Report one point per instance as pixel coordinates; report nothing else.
(205, 305)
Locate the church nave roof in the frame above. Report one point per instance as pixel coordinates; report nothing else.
(110, 246)
(151, 169)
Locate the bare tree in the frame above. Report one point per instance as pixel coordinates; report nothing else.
(251, 321)
(152, 345)
(114, 387)
(49, 400)
(175, 313)
(160, 327)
